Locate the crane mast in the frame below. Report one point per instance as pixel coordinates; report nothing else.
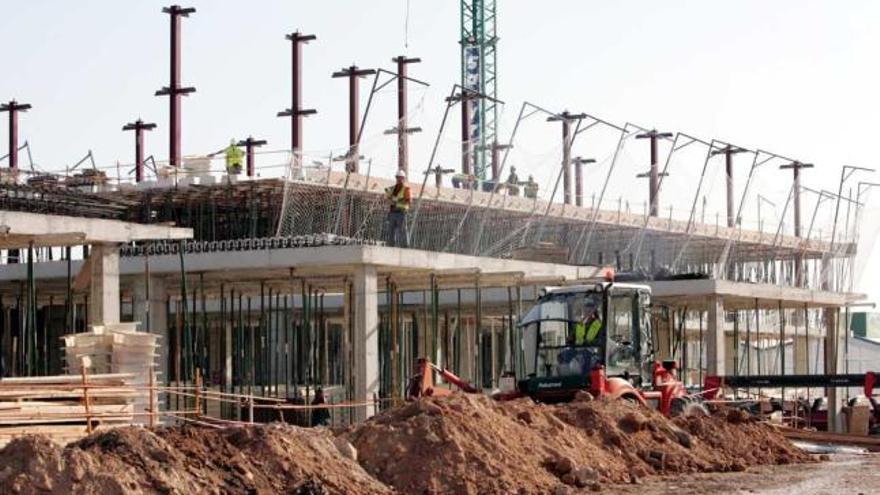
(478, 73)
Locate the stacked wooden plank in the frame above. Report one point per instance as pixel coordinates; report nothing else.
(117, 348)
(62, 406)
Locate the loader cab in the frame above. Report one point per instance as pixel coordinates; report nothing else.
(559, 351)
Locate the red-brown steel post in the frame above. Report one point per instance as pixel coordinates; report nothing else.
(139, 126)
(296, 112)
(353, 74)
(566, 118)
(579, 163)
(249, 144)
(796, 175)
(654, 172)
(728, 152)
(13, 107)
(403, 129)
(174, 91)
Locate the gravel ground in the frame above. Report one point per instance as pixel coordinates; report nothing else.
(842, 474)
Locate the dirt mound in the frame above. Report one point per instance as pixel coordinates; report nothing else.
(472, 444)
(258, 459)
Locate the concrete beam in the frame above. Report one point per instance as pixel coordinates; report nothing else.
(743, 295)
(59, 230)
(325, 260)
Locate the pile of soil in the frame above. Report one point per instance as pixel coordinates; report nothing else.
(472, 444)
(458, 444)
(180, 460)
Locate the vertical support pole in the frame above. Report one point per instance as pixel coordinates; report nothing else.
(174, 91)
(566, 118)
(402, 128)
(466, 144)
(715, 342)
(13, 107)
(139, 126)
(152, 409)
(832, 365)
(84, 363)
(249, 144)
(654, 172)
(566, 159)
(796, 177)
(296, 112)
(579, 163)
(353, 73)
(366, 338)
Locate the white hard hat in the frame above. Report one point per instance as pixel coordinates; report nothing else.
(400, 173)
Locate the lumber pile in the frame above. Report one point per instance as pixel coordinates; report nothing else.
(64, 407)
(117, 348)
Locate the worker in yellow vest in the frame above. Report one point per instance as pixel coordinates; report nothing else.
(234, 158)
(399, 199)
(587, 330)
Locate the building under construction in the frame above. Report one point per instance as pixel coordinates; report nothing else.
(285, 283)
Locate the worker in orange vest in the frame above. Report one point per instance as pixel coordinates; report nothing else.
(399, 198)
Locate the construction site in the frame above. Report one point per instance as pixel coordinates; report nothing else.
(634, 310)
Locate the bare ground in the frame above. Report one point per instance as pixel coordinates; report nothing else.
(842, 474)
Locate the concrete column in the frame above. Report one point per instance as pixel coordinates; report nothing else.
(104, 287)
(366, 338)
(157, 321)
(833, 365)
(715, 341)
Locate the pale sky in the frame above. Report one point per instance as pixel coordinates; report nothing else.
(795, 77)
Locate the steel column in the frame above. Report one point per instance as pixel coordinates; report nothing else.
(139, 126)
(174, 90)
(13, 107)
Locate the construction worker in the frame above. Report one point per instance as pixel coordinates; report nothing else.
(234, 157)
(320, 416)
(399, 198)
(586, 331)
(531, 188)
(513, 183)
